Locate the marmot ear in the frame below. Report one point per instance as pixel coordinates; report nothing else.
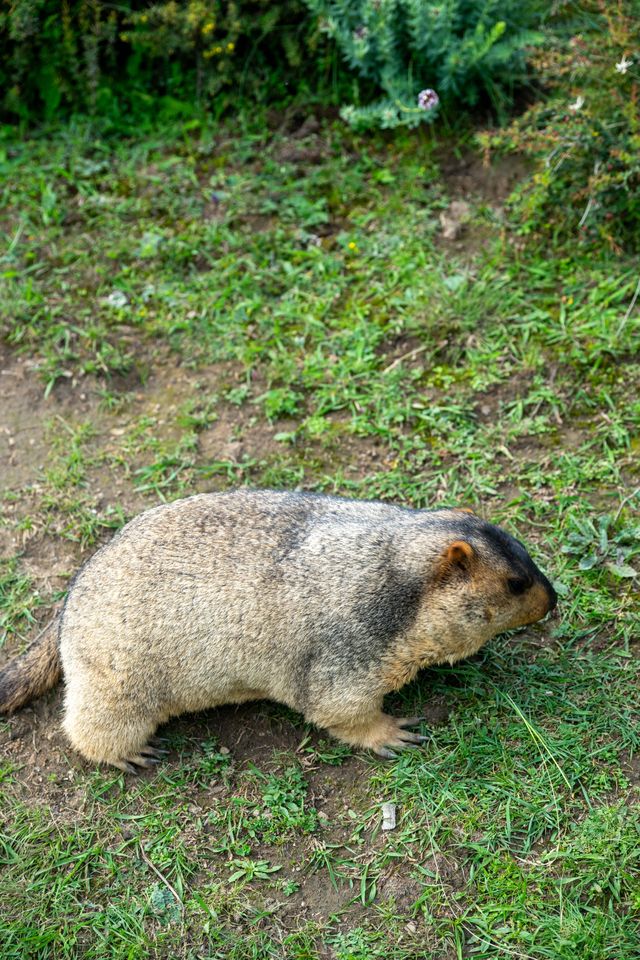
(458, 554)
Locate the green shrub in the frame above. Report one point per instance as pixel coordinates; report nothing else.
(585, 136)
(131, 58)
(463, 51)
(98, 57)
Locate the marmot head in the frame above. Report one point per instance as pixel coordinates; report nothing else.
(480, 582)
(493, 574)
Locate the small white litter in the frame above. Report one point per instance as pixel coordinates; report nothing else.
(117, 299)
(388, 816)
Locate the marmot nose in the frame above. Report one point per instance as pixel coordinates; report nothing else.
(553, 597)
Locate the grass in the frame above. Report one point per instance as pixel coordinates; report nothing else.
(237, 305)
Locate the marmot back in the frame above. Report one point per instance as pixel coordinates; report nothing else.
(321, 603)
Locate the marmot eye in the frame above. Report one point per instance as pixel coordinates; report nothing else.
(517, 585)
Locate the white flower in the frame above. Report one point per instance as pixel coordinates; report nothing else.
(578, 104)
(624, 65)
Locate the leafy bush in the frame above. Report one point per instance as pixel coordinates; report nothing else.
(134, 57)
(585, 137)
(91, 55)
(461, 51)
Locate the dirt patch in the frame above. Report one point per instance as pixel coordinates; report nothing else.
(489, 406)
(45, 768)
(48, 563)
(124, 437)
(473, 184)
(308, 153)
(630, 765)
(436, 711)
(398, 888)
(406, 350)
(23, 414)
(236, 436)
(359, 457)
(319, 899)
(471, 178)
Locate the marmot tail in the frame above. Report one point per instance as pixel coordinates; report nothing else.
(30, 675)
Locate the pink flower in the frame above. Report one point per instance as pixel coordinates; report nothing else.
(428, 99)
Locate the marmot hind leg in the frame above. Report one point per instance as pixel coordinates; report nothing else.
(118, 736)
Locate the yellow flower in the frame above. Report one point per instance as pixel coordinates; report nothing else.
(352, 245)
(144, 18)
(231, 47)
(217, 50)
(208, 27)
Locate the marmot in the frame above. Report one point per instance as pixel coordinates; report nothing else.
(322, 603)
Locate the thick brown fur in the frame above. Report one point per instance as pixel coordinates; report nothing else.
(321, 603)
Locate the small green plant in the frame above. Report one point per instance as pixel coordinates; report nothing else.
(280, 402)
(289, 887)
(420, 52)
(600, 544)
(248, 870)
(285, 807)
(163, 904)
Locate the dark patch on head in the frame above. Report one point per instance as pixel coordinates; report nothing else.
(516, 558)
(518, 585)
(491, 543)
(522, 572)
